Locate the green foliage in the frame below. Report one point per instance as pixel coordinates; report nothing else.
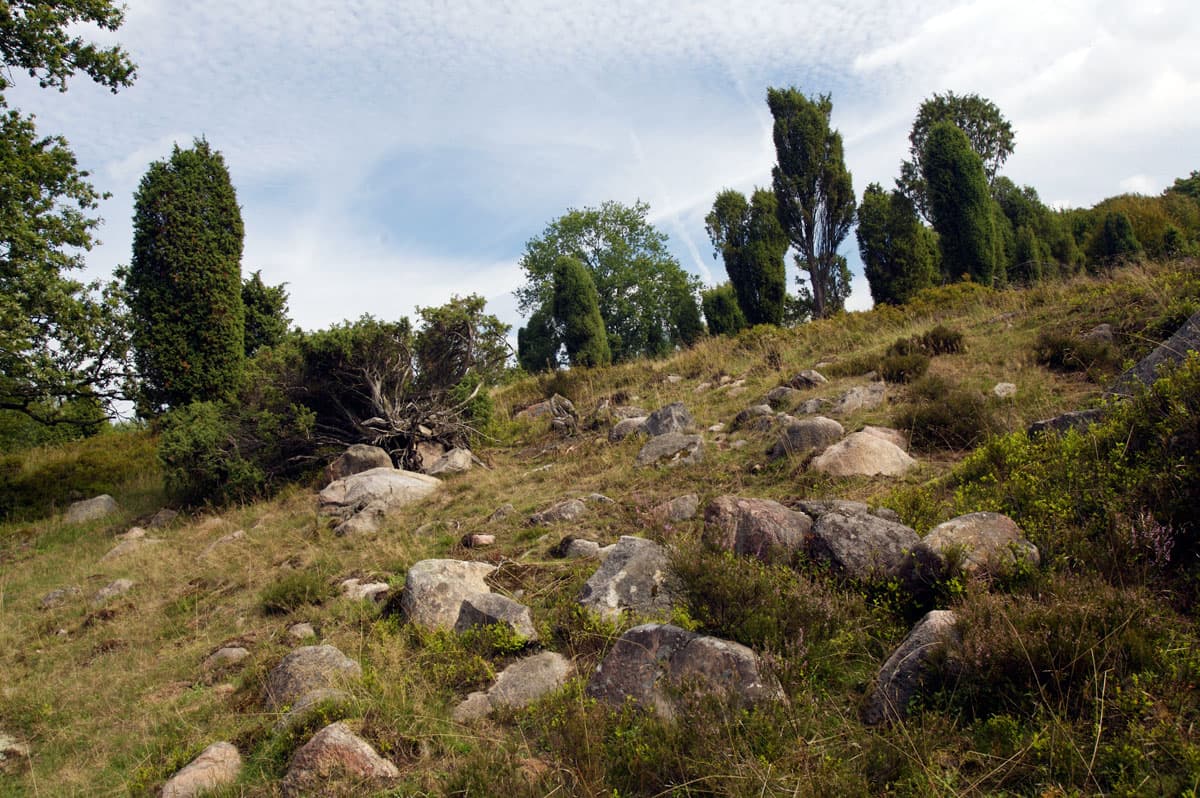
(1188, 186)
(903, 367)
(577, 313)
(537, 342)
(297, 589)
(265, 313)
(750, 240)
(455, 340)
(943, 415)
(1114, 241)
(36, 482)
(687, 328)
(1042, 244)
(641, 287)
(201, 459)
(960, 205)
(184, 281)
(988, 133)
(941, 340)
(722, 310)
(36, 38)
(1065, 352)
(814, 192)
(899, 253)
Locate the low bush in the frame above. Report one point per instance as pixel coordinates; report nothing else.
(297, 589)
(903, 368)
(943, 415)
(1065, 352)
(941, 340)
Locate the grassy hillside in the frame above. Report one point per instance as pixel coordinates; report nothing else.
(1080, 677)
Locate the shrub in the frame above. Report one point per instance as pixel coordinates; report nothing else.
(297, 589)
(941, 340)
(1064, 352)
(903, 368)
(943, 415)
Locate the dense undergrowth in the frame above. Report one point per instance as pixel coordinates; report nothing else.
(1076, 677)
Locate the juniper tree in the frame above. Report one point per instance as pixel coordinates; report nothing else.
(722, 311)
(899, 254)
(577, 313)
(749, 239)
(961, 206)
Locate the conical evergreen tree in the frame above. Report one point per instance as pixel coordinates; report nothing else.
(577, 311)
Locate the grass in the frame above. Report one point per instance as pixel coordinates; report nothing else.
(114, 700)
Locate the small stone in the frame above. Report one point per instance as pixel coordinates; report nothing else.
(801, 436)
(14, 755)
(162, 518)
(744, 417)
(478, 540)
(126, 547)
(134, 533)
(112, 590)
(581, 549)
(225, 540)
(1101, 333)
(675, 448)
(809, 378)
(217, 766)
(682, 508)
(627, 427)
(358, 458)
(59, 596)
(301, 631)
(335, 754)
(225, 657)
(308, 669)
(716, 428)
(674, 379)
(487, 609)
(671, 418)
(356, 590)
(1004, 390)
(455, 461)
(501, 512)
(782, 397)
(566, 510)
(90, 509)
(907, 668)
(475, 706)
(860, 397)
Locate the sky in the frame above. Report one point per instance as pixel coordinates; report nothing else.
(389, 155)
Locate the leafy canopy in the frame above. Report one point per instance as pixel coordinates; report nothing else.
(643, 292)
(577, 312)
(39, 38)
(748, 237)
(814, 191)
(962, 208)
(899, 253)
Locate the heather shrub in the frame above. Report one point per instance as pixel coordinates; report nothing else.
(941, 340)
(943, 415)
(903, 368)
(1065, 352)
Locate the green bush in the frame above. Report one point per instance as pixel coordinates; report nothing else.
(941, 340)
(297, 589)
(1064, 352)
(903, 368)
(943, 415)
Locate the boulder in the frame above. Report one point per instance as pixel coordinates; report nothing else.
(162, 518)
(1101, 333)
(675, 448)
(14, 755)
(982, 543)
(672, 418)
(336, 755)
(427, 453)
(434, 590)
(556, 405)
(860, 397)
(113, 589)
(892, 436)
(681, 508)
(871, 549)
(518, 685)
(634, 577)
(755, 527)
(1076, 419)
(367, 521)
(626, 427)
(1004, 390)
(301, 631)
(863, 454)
(306, 670)
(812, 407)
(807, 379)
(576, 548)
(217, 766)
(90, 509)
(800, 436)
(391, 487)
(128, 546)
(59, 596)
(744, 417)
(656, 664)
(818, 507)
(225, 657)
(566, 510)
(454, 461)
(486, 609)
(356, 459)
(783, 396)
(1173, 350)
(909, 667)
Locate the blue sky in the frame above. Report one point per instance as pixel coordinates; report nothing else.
(389, 155)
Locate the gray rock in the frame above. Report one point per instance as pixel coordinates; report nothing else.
(308, 669)
(357, 590)
(389, 486)
(860, 397)
(800, 436)
(870, 549)
(681, 508)
(301, 631)
(224, 540)
(812, 407)
(982, 543)
(367, 521)
(336, 755)
(892, 436)
(323, 704)
(598, 498)
(501, 512)
(626, 427)
(59, 597)
(672, 418)
(1173, 350)
(818, 507)
(475, 706)
(744, 417)
(358, 458)
(635, 577)
(434, 590)
(1101, 333)
(90, 509)
(455, 461)
(217, 766)
(133, 533)
(1076, 419)
(518, 685)
(225, 657)
(113, 589)
(863, 454)
(486, 609)
(14, 755)
(887, 514)
(129, 546)
(783, 396)
(1004, 390)
(675, 448)
(566, 510)
(577, 548)
(755, 527)
(427, 453)
(556, 405)
(909, 667)
(807, 379)
(655, 664)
